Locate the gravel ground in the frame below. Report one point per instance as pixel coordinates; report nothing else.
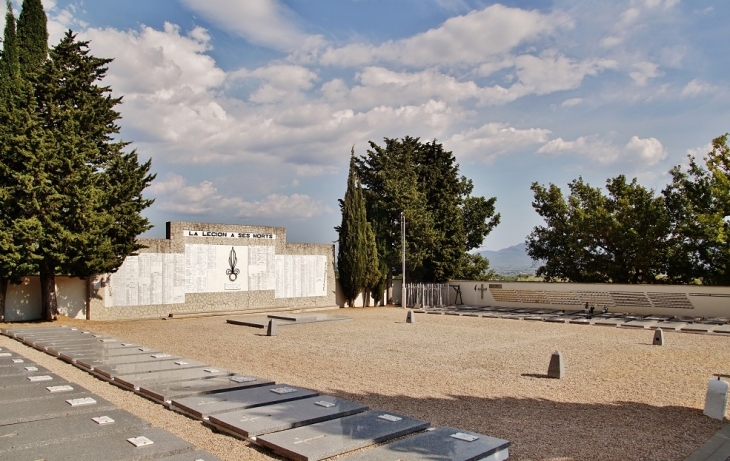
(621, 399)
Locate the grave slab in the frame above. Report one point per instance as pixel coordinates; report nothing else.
(192, 456)
(92, 362)
(134, 381)
(48, 379)
(24, 369)
(559, 319)
(256, 322)
(50, 389)
(46, 346)
(310, 318)
(110, 447)
(103, 353)
(164, 364)
(722, 329)
(699, 327)
(338, 436)
(439, 444)
(669, 325)
(99, 347)
(640, 323)
(66, 428)
(203, 406)
(165, 392)
(612, 322)
(13, 331)
(48, 408)
(253, 422)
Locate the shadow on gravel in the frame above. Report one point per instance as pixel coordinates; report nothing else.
(554, 430)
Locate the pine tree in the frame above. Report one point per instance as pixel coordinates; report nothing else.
(352, 254)
(32, 37)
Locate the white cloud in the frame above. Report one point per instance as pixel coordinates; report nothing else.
(591, 147)
(571, 102)
(650, 151)
(279, 81)
(644, 72)
(174, 195)
(468, 39)
(264, 22)
(696, 87)
(647, 151)
(491, 140)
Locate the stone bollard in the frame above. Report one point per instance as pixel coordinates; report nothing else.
(716, 399)
(410, 317)
(272, 328)
(658, 337)
(556, 368)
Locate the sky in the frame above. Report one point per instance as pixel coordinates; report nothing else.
(249, 109)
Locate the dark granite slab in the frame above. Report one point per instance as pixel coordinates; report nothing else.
(281, 416)
(338, 436)
(164, 364)
(24, 369)
(101, 353)
(699, 327)
(640, 323)
(134, 381)
(205, 405)
(91, 362)
(670, 325)
(48, 379)
(66, 428)
(108, 447)
(48, 408)
(50, 389)
(165, 392)
(439, 444)
(257, 322)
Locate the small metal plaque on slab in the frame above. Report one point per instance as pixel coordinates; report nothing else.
(35, 379)
(211, 370)
(18, 360)
(102, 420)
(108, 340)
(5, 354)
(81, 401)
(31, 368)
(97, 336)
(283, 390)
(391, 418)
(64, 388)
(144, 349)
(243, 379)
(465, 437)
(160, 356)
(325, 404)
(140, 441)
(181, 362)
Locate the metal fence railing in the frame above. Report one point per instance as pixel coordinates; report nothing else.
(427, 294)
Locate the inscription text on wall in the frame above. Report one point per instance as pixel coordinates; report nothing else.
(229, 235)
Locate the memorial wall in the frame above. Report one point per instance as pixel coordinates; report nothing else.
(201, 268)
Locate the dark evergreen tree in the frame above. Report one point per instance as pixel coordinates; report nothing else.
(352, 264)
(74, 182)
(443, 221)
(32, 37)
(372, 265)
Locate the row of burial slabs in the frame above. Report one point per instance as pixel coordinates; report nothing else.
(45, 417)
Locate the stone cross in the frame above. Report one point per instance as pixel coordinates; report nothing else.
(481, 288)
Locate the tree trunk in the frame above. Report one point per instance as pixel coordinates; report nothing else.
(49, 302)
(3, 297)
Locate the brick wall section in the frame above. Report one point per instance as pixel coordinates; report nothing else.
(218, 302)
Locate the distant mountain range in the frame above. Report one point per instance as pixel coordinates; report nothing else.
(511, 260)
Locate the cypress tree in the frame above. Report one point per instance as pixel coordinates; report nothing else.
(32, 37)
(372, 265)
(352, 255)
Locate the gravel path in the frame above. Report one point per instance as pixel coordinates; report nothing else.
(621, 399)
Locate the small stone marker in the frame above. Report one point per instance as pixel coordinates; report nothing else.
(140, 441)
(556, 368)
(410, 317)
(716, 399)
(271, 330)
(658, 337)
